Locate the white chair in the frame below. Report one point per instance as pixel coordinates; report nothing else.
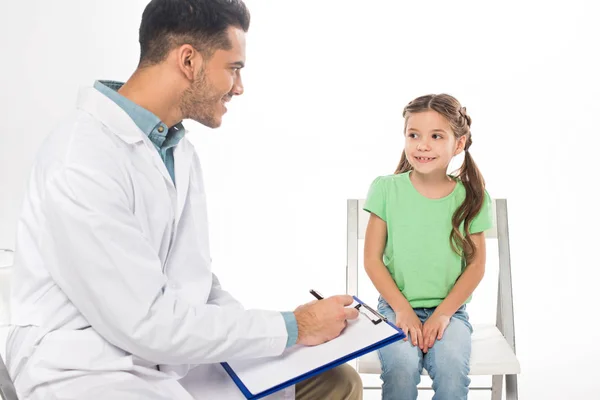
(7, 390)
(493, 346)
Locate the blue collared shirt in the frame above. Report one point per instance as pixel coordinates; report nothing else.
(165, 139)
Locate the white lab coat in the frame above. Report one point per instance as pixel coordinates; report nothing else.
(113, 294)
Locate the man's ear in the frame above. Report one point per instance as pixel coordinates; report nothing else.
(460, 144)
(189, 61)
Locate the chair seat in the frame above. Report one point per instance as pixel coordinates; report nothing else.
(490, 355)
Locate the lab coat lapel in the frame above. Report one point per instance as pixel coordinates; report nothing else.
(183, 154)
(159, 163)
(121, 124)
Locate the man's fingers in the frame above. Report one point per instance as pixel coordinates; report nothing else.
(351, 313)
(344, 299)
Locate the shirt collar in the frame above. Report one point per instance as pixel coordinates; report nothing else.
(148, 123)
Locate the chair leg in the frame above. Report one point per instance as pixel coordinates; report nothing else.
(512, 392)
(497, 387)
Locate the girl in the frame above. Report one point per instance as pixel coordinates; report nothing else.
(425, 250)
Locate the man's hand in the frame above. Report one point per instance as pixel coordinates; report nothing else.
(434, 329)
(323, 320)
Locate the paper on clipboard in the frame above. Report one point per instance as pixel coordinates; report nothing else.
(260, 377)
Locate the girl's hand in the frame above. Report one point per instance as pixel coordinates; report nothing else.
(408, 321)
(434, 329)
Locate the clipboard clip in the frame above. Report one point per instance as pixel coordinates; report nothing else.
(379, 318)
(358, 307)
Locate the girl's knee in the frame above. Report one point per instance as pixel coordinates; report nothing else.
(453, 381)
(400, 360)
(450, 367)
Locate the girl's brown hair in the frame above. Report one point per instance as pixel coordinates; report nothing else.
(468, 173)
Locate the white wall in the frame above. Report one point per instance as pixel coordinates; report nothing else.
(321, 117)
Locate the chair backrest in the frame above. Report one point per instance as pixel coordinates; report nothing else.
(357, 224)
(7, 389)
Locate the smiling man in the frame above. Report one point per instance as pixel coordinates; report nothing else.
(114, 297)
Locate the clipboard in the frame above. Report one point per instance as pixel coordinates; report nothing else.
(258, 378)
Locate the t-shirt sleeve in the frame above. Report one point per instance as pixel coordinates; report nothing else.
(484, 220)
(375, 202)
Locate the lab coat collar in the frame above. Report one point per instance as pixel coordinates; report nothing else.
(120, 123)
(110, 114)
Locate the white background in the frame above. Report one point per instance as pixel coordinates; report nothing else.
(325, 83)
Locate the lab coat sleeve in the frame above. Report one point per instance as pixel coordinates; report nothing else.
(220, 297)
(96, 252)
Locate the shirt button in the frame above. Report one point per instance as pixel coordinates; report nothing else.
(161, 129)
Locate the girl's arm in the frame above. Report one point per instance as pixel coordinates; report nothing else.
(468, 281)
(406, 319)
(375, 240)
(437, 323)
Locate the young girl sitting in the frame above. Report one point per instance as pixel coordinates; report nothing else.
(425, 250)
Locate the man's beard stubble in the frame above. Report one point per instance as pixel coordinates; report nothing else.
(198, 102)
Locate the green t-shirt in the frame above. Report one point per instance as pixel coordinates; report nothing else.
(418, 253)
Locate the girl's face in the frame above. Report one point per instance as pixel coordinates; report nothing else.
(430, 144)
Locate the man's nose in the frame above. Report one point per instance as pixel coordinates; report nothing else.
(238, 87)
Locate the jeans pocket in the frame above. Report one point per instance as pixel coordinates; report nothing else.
(384, 309)
(382, 305)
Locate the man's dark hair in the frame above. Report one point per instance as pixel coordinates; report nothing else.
(201, 23)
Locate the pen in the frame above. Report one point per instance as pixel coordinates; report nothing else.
(358, 306)
(320, 297)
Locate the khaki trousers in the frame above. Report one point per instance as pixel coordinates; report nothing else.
(340, 383)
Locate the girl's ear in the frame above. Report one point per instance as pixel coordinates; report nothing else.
(460, 145)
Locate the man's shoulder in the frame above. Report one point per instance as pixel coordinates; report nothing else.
(80, 140)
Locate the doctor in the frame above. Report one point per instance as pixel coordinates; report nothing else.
(113, 295)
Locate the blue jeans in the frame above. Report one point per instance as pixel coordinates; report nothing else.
(447, 361)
